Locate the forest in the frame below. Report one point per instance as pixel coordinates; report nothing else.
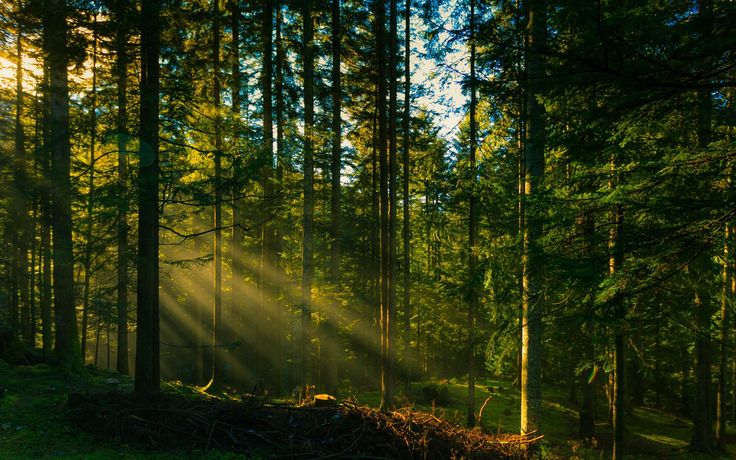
(510, 222)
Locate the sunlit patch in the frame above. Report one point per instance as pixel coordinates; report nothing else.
(592, 375)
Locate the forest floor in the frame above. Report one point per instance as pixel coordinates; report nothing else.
(36, 421)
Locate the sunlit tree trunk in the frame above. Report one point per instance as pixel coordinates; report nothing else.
(308, 217)
(472, 230)
(121, 71)
(147, 366)
(55, 46)
(533, 298)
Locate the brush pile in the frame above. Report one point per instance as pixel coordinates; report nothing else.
(175, 422)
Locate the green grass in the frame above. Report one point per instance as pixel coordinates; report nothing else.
(34, 420)
(34, 424)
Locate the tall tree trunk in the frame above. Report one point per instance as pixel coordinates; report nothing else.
(236, 246)
(55, 46)
(702, 430)
(216, 357)
(472, 230)
(531, 330)
(267, 185)
(616, 255)
(657, 377)
(331, 361)
(521, 208)
(121, 71)
(375, 232)
(32, 275)
(336, 146)
(307, 241)
(721, 405)
(88, 234)
(45, 192)
(97, 339)
(589, 376)
(282, 312)
(20, 199)
(406, 230)
(386, 387)
(393, 173)
(147, 366)
(733, 355)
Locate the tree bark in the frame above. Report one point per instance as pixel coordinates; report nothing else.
(90, 199)
(589, 376)
(267, 250)
(336, 164)
(409, 366)
(392, 186)
(383, 166)
(216, 356)
(308, 211)
(45, 192)
(147, 366)
(472, 230)
(121, 43)
(721, 405)
(702, 435)
(235, 316)
(20, 226)
(55, 46)
(616, 256)
(531, 330)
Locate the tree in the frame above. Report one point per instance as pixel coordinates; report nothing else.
(336, 164)
(406, 230)
(308, 211)
(383, 187)
(533, 299)
(55, 45)
(472, 228)
(147, 365)
(90, 192)
(236, 245)
(121, 68)
(217, 327)
(21, 303)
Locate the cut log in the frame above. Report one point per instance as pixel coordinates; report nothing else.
(324, 400)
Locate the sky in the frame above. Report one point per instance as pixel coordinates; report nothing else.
(445, 97)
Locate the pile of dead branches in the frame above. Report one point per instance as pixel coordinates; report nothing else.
(175, 422)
